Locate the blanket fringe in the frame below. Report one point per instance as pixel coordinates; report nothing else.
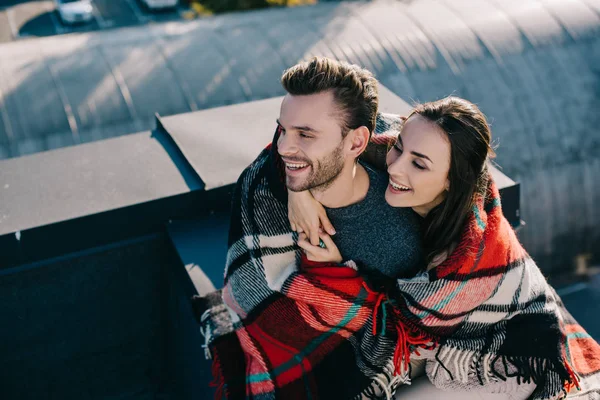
(408, 341)
(537, 371)
(206, 332)
(553, 378)
(383, 386)
(573, 381)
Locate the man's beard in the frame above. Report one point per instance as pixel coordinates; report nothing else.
(323, 172)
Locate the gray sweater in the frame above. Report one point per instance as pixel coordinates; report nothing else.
(380, 238)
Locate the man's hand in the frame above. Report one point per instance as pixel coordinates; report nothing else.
(308, 216)
(327, 251)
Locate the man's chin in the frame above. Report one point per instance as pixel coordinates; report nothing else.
(295, 187)
(295, 184)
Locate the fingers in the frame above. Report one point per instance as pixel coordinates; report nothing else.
(329, 253)
(314, 236)
(333, 253)
(312, 232)
(312, 252)
(326, 224)
(328, 241)
(300, 229)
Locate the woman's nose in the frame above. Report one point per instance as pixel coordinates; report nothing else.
(396, 167)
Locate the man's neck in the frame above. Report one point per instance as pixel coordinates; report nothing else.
(350, 187)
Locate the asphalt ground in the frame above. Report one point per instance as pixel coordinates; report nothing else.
(20, 19)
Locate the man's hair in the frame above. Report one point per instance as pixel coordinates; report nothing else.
(354, 89)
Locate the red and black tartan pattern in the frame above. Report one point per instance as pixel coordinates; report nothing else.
(317, 331)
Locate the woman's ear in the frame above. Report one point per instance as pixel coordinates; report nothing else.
(447, 186)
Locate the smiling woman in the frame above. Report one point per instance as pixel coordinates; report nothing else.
(487, 318)
(441, 156)
(417, 179)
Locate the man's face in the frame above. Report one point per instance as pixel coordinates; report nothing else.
(310, 143)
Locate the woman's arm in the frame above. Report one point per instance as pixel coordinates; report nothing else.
(308, 216)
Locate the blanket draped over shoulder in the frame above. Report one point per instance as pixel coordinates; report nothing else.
(294, 329)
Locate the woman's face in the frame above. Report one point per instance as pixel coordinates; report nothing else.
(418, 166)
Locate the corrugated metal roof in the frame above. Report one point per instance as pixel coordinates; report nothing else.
(533, 66)
(64, 90)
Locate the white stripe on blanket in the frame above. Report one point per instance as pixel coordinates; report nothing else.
(277, 267)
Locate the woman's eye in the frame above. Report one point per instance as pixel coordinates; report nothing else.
(419, 166)
(398, 148)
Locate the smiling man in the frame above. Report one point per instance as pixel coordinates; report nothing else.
(325, 123)
(266, 338)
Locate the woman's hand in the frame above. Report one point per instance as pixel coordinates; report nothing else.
(308, 216)
(326, 252)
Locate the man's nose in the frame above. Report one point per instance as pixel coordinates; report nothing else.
(286, 145)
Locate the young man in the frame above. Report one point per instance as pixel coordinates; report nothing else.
(325, 123)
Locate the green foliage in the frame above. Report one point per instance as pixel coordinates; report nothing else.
(220, 6)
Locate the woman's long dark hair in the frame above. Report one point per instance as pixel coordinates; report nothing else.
(470, 148)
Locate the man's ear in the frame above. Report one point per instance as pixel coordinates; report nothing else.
(359, 140)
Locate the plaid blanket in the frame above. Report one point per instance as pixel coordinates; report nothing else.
(494, 318)
(295, 329)
(301, 331)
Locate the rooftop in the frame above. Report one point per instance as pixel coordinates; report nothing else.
(523, 62)
(99, 263)
(118, 151)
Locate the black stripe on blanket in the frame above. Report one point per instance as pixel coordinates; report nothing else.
(498, 308)
(487, 272)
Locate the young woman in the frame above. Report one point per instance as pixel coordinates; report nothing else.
(493, 322)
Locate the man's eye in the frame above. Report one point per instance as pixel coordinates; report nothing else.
(304, 135)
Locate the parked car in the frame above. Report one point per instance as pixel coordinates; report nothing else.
(160, 4)
(74, 11)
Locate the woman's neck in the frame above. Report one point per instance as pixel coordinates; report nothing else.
(424, 209)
